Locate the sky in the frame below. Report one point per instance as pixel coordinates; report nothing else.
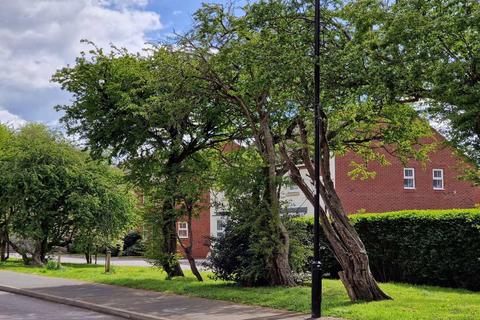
(37, 37)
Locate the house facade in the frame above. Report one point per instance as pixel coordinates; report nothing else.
(432, 185)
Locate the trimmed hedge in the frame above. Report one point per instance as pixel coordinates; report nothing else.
(436, 247)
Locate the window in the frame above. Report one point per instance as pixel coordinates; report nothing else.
(221, 223)
(438, 179)
(183, 230)
(300, 211)
(293, 187)
(408, 178)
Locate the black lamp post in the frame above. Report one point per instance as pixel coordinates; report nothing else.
(316, 264)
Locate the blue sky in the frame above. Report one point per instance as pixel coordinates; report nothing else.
(41, 36)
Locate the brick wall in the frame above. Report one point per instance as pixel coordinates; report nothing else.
(385, 192)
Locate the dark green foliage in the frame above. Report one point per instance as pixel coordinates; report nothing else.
(301, 249)
(133, 244)
(236, 255)
(241, 253)
(437, 247)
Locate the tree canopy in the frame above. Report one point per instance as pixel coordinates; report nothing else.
(55, 193)
(247, 74)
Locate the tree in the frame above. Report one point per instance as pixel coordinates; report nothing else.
(5, 211)
(52, 191)
(259, 61)
(148, 111)
(243, 253)
(107, 208)
(441, 58)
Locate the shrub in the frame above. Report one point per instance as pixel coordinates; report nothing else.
(236, 255)
(53, 265)
(301, 235)
(436, 247)
(133, 244)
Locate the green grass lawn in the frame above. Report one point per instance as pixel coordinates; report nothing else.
(410, 302)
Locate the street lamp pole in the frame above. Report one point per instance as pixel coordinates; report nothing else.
(316, 264)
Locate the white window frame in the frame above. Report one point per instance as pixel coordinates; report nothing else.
(293, 188)
(223, 223)
(442, 179)
(183, 226)
(412, 177)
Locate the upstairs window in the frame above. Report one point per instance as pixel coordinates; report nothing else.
(437, 179)
(408, 178)
(183, 230)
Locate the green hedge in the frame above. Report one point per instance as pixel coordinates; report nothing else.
(437, 247)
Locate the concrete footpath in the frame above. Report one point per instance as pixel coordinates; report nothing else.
(133, 303)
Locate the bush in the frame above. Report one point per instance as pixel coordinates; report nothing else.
(436, 247)
(133, 244)
(235, 255)
(301, 248)
(53, 265)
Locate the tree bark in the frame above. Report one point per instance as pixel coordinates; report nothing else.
(170, 246)
(4, 247)
(342, 236)
(188, 249)
(88, 257)
(280, 273)
(38, 255)
(193, 266)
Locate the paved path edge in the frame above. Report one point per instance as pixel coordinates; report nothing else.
(81, 304)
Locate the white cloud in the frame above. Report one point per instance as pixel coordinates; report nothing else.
(11, 119)
(38, 37)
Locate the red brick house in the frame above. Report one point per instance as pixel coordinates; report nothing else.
(434, 185)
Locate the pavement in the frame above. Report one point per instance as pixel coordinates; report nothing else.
(133, 303)
(18, 307)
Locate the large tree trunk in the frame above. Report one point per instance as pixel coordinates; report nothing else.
(38, 255)
(170, 245)
(352, 256)
(342, 236)
(4, 247)
(20, 251)
(280, 273)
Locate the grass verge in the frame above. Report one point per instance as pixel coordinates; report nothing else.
(410, 302)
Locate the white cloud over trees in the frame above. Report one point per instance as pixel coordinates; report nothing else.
(38, 37)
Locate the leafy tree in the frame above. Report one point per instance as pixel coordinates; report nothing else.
(149, 111)
(107, 209)
(52, 192)
(6, 136)
(185, 191)
(259, 61)
(243, 252)
(440, 56)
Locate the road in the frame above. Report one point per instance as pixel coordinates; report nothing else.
(122, 261)
(17, 307)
